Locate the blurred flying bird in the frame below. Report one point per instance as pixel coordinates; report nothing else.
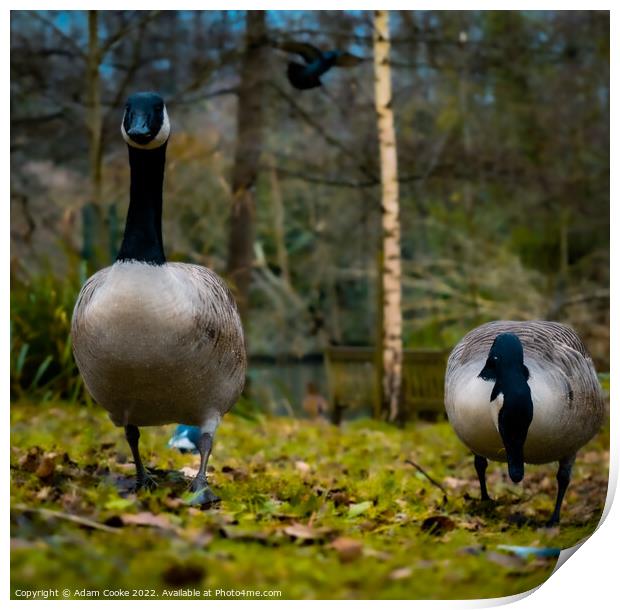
(185, 439)
(317, 63)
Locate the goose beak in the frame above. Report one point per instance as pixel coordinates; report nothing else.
(140, 134)
(516, 469)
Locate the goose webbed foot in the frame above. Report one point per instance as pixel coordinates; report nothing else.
(203, 494)
(143, 479)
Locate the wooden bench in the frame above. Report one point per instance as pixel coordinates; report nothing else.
(354, 378)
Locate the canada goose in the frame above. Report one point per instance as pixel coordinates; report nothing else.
(521, 392)
(157, 342)
(317, 62)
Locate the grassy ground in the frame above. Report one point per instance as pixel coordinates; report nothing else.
(307, 509)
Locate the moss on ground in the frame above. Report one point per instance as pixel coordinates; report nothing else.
(307, 509)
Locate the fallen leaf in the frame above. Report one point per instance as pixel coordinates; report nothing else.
(438, 525)
(173, 503)
(339, 497)
(30, 461)
(454, 483)
(381, 555)
(549, 532)
(44, 493)
(357, 509)
(302, 466)
(348, 549)
(504, 560)
(300, 531)
(189, 472)
(148, 520)
(400, 574)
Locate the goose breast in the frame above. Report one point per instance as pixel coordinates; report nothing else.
(159, 344)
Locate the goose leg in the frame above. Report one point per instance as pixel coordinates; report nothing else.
(143, 479)
(481, 464)
(199, 484)
(563, 478)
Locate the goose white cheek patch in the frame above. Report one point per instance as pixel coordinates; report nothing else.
(157, 141)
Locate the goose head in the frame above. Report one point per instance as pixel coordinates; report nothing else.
(505, 367)
(145, 122)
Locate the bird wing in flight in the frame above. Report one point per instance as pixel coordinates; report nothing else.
(306, 50)
(348, 60)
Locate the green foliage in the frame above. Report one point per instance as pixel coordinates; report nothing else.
(42, 364)
(307, 508)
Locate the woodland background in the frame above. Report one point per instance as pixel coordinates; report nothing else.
(503, 142)
(502, 126)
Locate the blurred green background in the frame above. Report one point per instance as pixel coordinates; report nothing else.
(502, 123)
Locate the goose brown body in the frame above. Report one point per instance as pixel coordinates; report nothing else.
(159, 344)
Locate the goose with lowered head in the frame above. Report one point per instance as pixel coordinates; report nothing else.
(523, 392)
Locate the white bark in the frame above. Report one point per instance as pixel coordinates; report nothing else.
(392, 343)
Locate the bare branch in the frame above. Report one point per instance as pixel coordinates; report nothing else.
(49, 23)
(122, 32)
(319, 129)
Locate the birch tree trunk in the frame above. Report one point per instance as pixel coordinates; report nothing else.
(247, 154)
(392, 342)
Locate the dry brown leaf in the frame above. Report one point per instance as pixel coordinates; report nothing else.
(189, 472)
(30, 461)
(502, 559)
(304, 532)
(454, 483)
(400, 574)
(46, 466)
(44, 493)
(302, 466)
(381, 555)
(438, 525)
(148, 520)
(348, 549)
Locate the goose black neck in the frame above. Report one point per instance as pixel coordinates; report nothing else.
(142, 240)
(514, 419)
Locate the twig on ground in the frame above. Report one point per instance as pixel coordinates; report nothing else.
(54, 514)
(428, 476)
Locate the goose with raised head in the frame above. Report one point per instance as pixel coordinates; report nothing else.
(157, 342)
(523, 392)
